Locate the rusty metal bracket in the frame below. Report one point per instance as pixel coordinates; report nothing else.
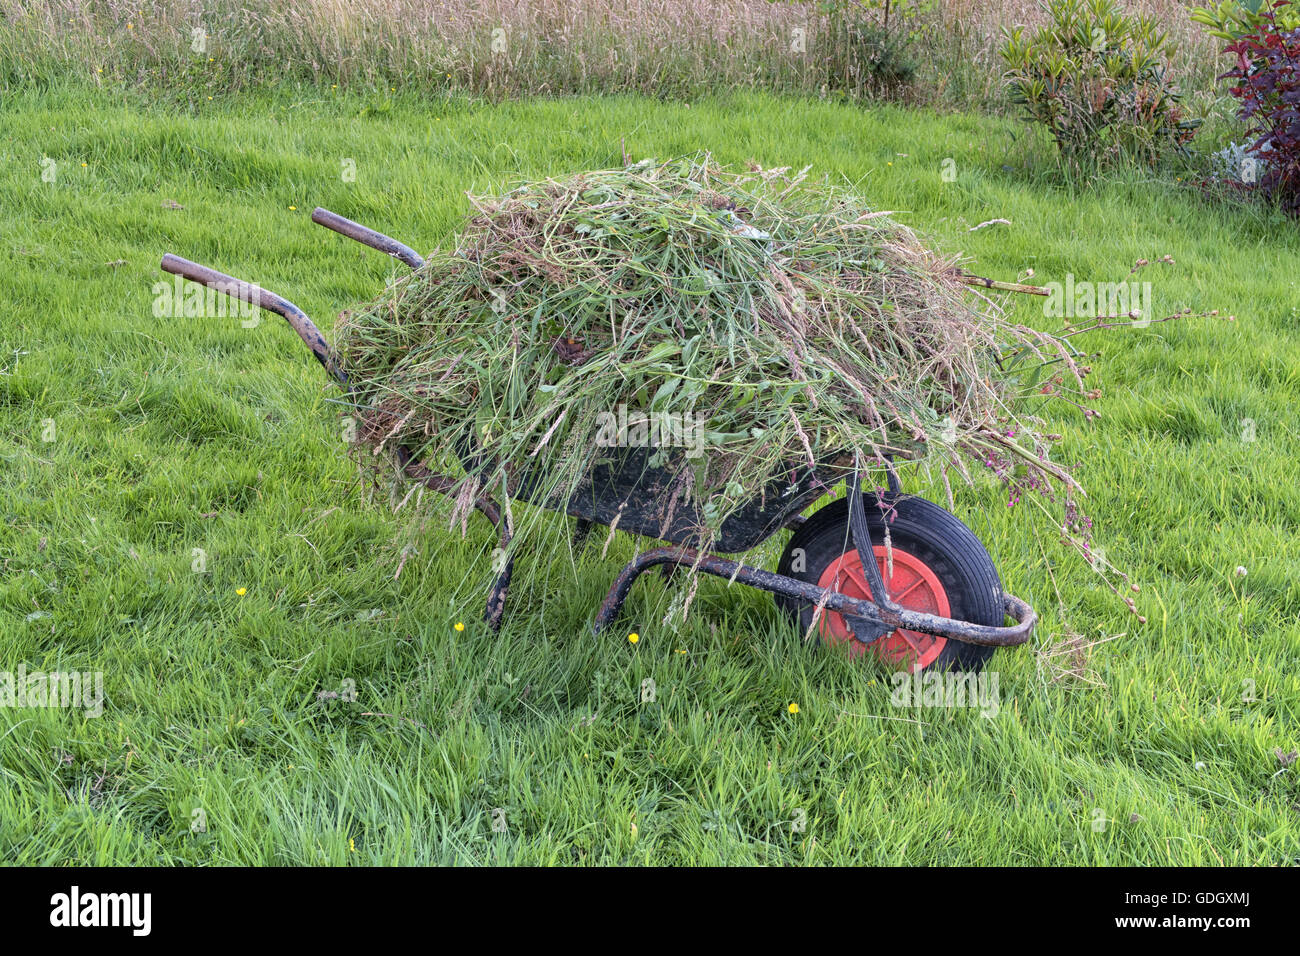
(802, 591)
(860, 537)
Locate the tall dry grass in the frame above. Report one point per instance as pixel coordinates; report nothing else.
(494, 47)
(499, 48)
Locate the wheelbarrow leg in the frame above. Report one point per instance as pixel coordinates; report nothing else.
(496, 602)
(581, 529)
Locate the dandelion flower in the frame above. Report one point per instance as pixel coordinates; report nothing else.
(633, 637)
(793, 709)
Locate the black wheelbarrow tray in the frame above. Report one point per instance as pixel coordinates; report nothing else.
(942, 606)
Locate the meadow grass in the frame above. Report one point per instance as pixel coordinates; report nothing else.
(130, 441)
(509, 48)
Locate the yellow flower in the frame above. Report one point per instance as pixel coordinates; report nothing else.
(352, 845)
(460, 626)
(294, 208)
(241, 591)
(793, 708)
(633, 637)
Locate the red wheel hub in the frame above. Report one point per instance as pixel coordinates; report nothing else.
(912, 585)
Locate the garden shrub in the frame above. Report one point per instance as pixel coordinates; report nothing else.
(1100, 80)
(1268, 88)
(869, 44)
(1233, 19)
(871, 58)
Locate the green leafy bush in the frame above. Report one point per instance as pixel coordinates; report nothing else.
(1267, 84)
(1100, 81)
(868, 57)
(868, 46)
(1233, 19)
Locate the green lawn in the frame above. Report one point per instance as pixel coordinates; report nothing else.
(174, 435)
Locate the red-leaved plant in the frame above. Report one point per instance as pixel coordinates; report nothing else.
(1268, 85)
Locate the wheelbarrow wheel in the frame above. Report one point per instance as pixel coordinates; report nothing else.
(939, 567)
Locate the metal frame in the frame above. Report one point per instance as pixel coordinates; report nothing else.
(867, 620)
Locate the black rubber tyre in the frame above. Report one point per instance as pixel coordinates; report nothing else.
(937, 538)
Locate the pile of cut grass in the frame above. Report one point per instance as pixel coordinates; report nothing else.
(793, 325)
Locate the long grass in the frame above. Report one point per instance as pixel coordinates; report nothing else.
(496, 48)
(155, 469)
(662, 48)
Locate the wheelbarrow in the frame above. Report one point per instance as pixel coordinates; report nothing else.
(929, 595)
